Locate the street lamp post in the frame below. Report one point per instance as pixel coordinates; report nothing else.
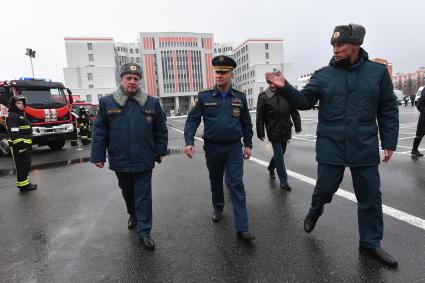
(31, 54)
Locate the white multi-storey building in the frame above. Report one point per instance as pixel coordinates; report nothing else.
(254, 58)
(223, 49)
(176, 66)
(91, 68)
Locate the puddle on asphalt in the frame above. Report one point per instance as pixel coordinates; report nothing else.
(47, 165)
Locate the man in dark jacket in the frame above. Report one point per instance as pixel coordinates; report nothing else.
(20, 133)
(131, 126)
(275, 113)
(356, 98)
(412, 99)
(420, 130)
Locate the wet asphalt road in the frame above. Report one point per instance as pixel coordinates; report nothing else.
(73, 229)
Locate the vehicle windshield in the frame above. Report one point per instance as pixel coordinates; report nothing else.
(45, 98)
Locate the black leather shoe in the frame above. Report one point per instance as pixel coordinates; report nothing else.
(217, 215)
(271, 173)
(132, 222)
(285, 187)
(309, 223)
(380, 255)
(29, 187)
(148, 243)
(245, 236)
(416, 153)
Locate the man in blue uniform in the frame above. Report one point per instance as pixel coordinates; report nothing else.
(226, 120)
(131, 126)
(356, 99)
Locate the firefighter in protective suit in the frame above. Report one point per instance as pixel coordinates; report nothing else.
(84, 124)
(20, 133)
(74, 135)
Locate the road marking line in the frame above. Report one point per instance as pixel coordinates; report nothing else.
(406, 138)
(387, 210)
(396, 152)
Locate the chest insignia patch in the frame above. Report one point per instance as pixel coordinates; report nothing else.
(236, 112)
(236, 101)
(114, 111)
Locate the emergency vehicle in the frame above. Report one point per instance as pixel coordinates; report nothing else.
(47, 108)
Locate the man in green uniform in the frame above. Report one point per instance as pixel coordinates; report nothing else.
(356, 99)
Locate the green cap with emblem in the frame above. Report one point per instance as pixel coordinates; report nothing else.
(131, 68)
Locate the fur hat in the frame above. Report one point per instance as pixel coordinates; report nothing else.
(351, 33)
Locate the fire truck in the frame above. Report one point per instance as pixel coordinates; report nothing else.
(48, 109)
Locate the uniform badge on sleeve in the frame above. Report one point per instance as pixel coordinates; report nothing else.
(236, 112)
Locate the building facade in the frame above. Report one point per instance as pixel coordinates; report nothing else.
(409, 83)
(225, 49)
(176, 67)
(254, 58)
(91, 68)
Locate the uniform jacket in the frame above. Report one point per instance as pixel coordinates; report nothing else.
(225, 121)
(275, 113)
(134, 135)
(19, 128)
(355, 101)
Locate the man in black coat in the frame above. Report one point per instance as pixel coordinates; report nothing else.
(274, 112)
(420, 130)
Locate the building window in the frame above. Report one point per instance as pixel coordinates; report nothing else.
(137, 50)
(88, 98)
(137, 60)
(267, 55)
(89, 76)
(132, 60)
(261, 89)
(131, 50)
(90, 46)
(91, 86)
(266, 46)
(91, 57)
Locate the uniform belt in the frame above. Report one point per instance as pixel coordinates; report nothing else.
(222, 142)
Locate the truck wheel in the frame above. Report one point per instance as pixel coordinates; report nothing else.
(4, 146)
(57, 144)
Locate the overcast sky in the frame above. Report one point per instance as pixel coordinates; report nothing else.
(394, 29)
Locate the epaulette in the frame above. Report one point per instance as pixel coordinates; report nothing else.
(379, 63)
(207, 89)
(238, 91)
(321, 69)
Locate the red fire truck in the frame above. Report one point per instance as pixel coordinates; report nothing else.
(48, 111)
